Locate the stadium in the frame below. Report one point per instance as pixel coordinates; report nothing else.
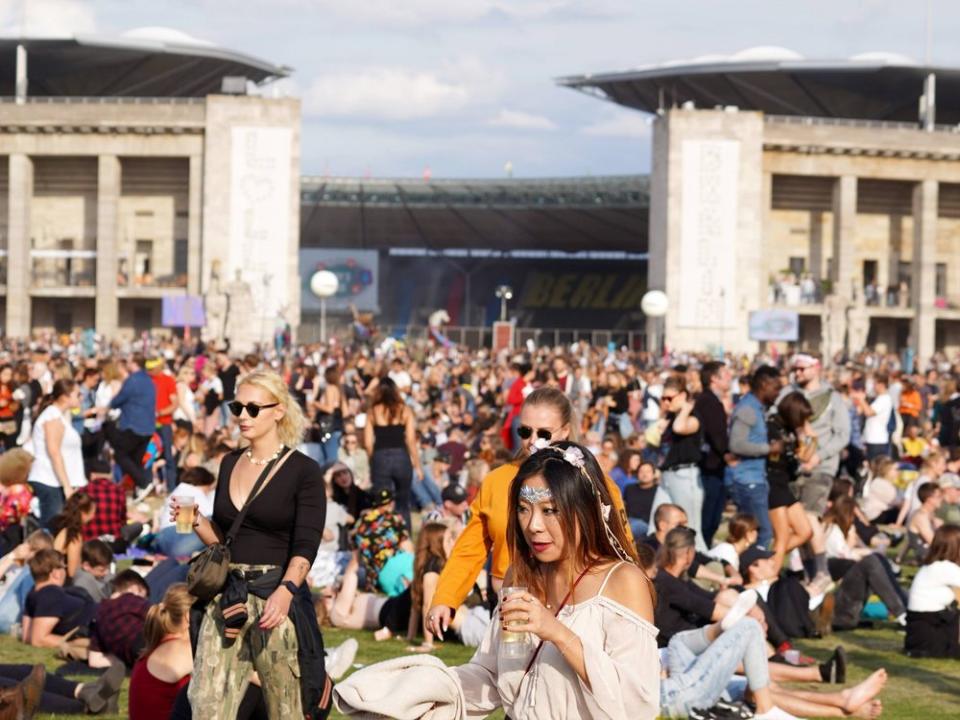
(813, 187)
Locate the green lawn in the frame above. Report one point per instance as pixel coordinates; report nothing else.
(917, 690)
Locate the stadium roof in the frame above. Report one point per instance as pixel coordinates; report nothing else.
(871, 86)
(150, 62)
(567, 215)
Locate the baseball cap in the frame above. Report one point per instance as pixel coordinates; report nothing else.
(382, 497)
(749, 556)
(950, 480)
(153, 363)
(454, 493)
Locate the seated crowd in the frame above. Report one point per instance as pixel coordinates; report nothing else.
(779, 508)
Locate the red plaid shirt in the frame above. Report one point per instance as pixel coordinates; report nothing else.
(118, 627)
(111, 512)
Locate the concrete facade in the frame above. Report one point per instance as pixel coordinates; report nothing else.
(110, 206)
(870, 211)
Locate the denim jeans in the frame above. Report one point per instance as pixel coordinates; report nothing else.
(700, 670)
(51, 501)
(714, 498)
(638, 527)
(754, 498)
(426, 492)
(877, 449)
(170, 464)
(392, 470)
(313, 450)
(174, 544)
(685, 489)
(14, 598)
(330, 447)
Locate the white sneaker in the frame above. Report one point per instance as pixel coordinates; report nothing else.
(340, 658)
(775, 713)
(794, 561)
(743, 605)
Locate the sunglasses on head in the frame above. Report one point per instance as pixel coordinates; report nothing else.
(525, 432)
(236, 407)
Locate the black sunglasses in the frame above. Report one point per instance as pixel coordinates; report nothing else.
(667, 398)
(525, 432)
(236, 407)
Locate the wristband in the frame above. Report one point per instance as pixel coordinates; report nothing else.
(291, 587)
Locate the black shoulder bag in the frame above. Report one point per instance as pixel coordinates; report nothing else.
(208, 570)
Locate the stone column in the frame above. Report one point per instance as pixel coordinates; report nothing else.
(194, 208)
(923, 270)
(108, 198)
(844, 234)
(18, 245)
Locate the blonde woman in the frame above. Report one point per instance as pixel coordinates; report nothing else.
(271, 554)
(186, 399)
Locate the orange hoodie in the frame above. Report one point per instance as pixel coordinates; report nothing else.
(488, 529)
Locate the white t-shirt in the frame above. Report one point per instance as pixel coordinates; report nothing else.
(932, 589)
(336, 516)
(875, 428)
(70, 450)
(203, 499)
(725, 551)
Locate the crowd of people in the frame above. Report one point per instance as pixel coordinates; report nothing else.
(601, 502)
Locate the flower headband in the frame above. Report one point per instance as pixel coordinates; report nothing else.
(574, 456)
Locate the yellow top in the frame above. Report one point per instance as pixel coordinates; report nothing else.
(488, 529)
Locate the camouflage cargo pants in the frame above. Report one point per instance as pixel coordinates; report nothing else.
(222, 671)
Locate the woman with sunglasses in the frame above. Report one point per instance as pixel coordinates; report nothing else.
(270, 556)
(546, 416)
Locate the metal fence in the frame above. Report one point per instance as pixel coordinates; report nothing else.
(482, 337)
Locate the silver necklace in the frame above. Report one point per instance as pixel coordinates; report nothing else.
(265, 460)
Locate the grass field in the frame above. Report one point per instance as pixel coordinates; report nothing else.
(917, 690)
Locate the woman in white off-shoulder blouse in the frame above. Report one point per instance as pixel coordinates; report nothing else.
(587, 607)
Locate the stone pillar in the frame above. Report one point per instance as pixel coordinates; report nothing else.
(844, 235)
(108, 198)
(923, 270)
(194, 209)
(18, 245)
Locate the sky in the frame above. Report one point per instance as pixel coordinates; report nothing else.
(467, 88)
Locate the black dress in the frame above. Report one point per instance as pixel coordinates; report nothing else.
(782, 468)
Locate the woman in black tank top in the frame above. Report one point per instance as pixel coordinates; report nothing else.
(390, 438)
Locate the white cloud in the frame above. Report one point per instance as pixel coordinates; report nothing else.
(630, 124)
(47, 18)
(384, 94)
(522, 120)
(418, 12)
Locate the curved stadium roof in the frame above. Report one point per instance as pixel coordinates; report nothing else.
(151, 62)
(871, 86)
(596, 214)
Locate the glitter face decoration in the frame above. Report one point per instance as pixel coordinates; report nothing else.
(535, 495)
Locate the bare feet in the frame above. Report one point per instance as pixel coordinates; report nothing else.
(382, 634)
(869, 710)
(862, 693)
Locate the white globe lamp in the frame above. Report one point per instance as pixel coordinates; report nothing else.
(324, 284)
(655, 305)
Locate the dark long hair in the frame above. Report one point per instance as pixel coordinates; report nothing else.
(60, 388)
(429, 547)
(945, 545)
(575, 497)
(388, 396)
(71, 518)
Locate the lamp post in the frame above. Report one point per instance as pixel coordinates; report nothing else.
(324, 284)
(504, 293)
(654, 305)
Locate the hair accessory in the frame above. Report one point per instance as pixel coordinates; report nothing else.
(535, 495)
(573, 456)
(539, 444)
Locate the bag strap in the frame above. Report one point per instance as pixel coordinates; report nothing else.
(563, 604)
(238, 520)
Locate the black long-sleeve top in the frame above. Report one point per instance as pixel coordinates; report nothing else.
(709, 410)
(286, 518)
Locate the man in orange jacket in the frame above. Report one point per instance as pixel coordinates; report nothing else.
(548, 415)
